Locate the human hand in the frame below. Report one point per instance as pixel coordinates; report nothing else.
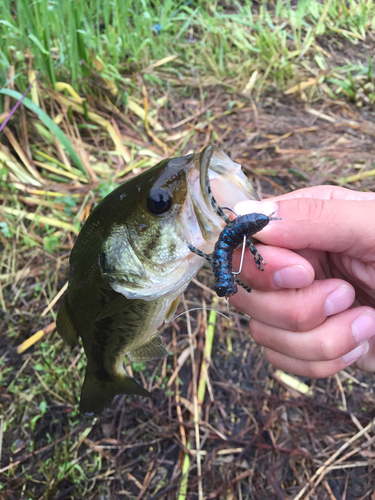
(313, 307)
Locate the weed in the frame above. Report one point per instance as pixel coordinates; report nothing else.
(80, 131)
(66, 40)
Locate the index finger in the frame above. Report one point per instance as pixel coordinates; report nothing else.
(333, 225)
(326, 193)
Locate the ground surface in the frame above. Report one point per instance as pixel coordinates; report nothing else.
(259, 438)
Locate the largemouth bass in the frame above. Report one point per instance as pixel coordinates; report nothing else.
(131, 262)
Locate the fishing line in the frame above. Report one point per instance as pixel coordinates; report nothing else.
(16, 105)
(235, 313)
(14, 109)
(200, 309)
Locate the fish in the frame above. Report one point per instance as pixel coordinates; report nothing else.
(131, 262)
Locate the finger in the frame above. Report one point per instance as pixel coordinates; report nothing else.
(334, 338)
(328, 225)
(283, 269)
(297, 310)
(313, 369)
(366, 363)
(326, 193)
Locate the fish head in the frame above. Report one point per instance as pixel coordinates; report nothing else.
(156, 215)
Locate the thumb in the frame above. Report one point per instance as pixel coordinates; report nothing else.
(321, 224)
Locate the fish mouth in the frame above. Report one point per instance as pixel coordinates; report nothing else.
(216, 176)
(194, 222)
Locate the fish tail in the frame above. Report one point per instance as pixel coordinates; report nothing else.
(65, 325)
(97, 394)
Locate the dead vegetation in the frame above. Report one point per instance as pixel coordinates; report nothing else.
(252, 435)
(221, 423)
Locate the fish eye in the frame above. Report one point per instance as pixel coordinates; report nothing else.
(158, 201)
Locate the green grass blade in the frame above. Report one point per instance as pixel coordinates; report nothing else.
(185, 475)
(49, 123)
(38, 44)
(210, 331)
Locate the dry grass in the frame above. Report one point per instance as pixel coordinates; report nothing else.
(257, 436)
(250, 434)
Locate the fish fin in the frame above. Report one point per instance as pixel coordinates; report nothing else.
(65, 325)
(114, 306)
(96, 394)
(152, 349)
(172, 309)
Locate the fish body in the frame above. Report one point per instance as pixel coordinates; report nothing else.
(131, 262)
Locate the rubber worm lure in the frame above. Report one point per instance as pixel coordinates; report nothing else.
(243, 227)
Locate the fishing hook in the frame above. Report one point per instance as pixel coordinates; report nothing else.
(243, 245)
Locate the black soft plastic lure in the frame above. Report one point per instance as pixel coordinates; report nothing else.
(230, 238)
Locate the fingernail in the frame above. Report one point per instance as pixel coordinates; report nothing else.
(356, 353)
(292, 277)
(363, 327)
(339, 300)
(260, 207)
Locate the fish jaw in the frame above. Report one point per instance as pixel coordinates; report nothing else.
(159, 287)
(214, 161)
(228, 184)
(128, 272)
(239, 188)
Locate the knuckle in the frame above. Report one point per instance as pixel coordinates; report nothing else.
(319, 370)
(300, 311)
(310, 369)
(321, 210)
(305, 311)
(256, 331)
(313, 207)
(273, 358)
(327, 348)
(300, 319)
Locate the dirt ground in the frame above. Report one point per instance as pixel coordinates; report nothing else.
(259, 438)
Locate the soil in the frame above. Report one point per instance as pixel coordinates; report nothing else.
(260, 438)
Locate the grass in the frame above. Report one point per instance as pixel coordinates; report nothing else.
(261, 45)
(117, 86)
